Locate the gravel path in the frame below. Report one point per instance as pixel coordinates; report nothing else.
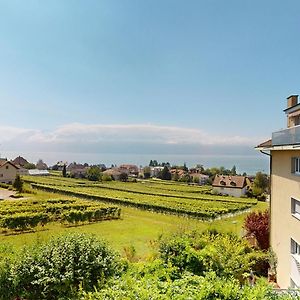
(5, 194)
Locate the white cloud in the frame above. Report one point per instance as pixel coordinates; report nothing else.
(83, 135)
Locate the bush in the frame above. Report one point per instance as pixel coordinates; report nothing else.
(18, 184)
(224, 254)
(57, 269)
(106, 177)
(257, 225)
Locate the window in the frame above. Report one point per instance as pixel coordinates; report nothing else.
(1, 175)
(296, 165)
(295, 247)
(6, 167)
(295, 208)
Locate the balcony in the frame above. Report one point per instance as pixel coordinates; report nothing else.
(289, 136)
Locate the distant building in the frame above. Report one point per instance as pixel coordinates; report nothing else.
(130, 170)
(40, 165)
(230, 185)
(154, 171)
(8, 171)
(20, 161)
(203, 179)
(59, 165)
(114, 173)
(37, 172)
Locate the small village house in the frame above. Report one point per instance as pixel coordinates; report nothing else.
(235, 186)
(114, 173)
(8, 171)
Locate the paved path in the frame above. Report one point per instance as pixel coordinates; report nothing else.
(5, 194)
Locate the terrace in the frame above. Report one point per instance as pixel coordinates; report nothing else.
(289, 136)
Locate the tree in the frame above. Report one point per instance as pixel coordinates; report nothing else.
(93, 173)
(261, 181)
(123, 177)
(29, 166)
(64, 171)
(165, 174)
(147, 172)
(185, 168)
(18, 183)
(257, 225)
(233, 171)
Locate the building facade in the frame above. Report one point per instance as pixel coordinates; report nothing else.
(8, 172)
(284, 151)
(235, 186)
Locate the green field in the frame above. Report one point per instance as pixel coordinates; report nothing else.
(136, 227)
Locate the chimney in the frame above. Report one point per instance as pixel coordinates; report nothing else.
(292, 101)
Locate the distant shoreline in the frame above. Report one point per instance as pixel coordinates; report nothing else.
(250, 164)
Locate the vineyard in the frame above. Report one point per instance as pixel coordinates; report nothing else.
(179, 199)
(26, 214)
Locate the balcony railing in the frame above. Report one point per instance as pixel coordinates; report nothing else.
(289, 136)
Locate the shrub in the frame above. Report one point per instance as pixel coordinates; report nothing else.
(58, 268)
(224, 254)
(106, 177)
(257, 224)
(18, 184)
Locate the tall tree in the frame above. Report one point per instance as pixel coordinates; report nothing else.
(64, 171)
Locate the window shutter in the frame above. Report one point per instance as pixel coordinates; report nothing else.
(293, 164)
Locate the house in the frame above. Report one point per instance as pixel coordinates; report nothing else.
(114, 173)
(203, 179)
(235, 186)
(20, 161)
(8, 171)
(284, 152)
(154, 171)
(40, 165)
(130, 170)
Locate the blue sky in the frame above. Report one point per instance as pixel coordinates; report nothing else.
(155, 73)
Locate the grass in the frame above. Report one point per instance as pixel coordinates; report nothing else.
(136, 228)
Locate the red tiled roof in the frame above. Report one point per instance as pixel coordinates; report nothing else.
(230, 181)
(267, 143)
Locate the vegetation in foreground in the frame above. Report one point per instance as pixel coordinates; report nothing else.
(207, 265)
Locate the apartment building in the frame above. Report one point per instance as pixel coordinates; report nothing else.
(284, 151)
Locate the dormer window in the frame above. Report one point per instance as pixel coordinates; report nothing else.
(222, 182)
(232, 183)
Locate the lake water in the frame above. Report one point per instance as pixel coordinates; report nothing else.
(244, 163)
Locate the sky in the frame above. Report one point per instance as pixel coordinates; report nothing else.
(150, 76)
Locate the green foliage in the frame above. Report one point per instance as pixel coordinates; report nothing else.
(152, 281)
(94, 173)
(224, 254)
(25, 214)
(106, 177)
(57, 269)
(261, 182)
(64, 171)
(18, 184)
(164, 197)
(147, 172)
(123, 177)
(29, 166)
(165, 174)
(22, 221)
